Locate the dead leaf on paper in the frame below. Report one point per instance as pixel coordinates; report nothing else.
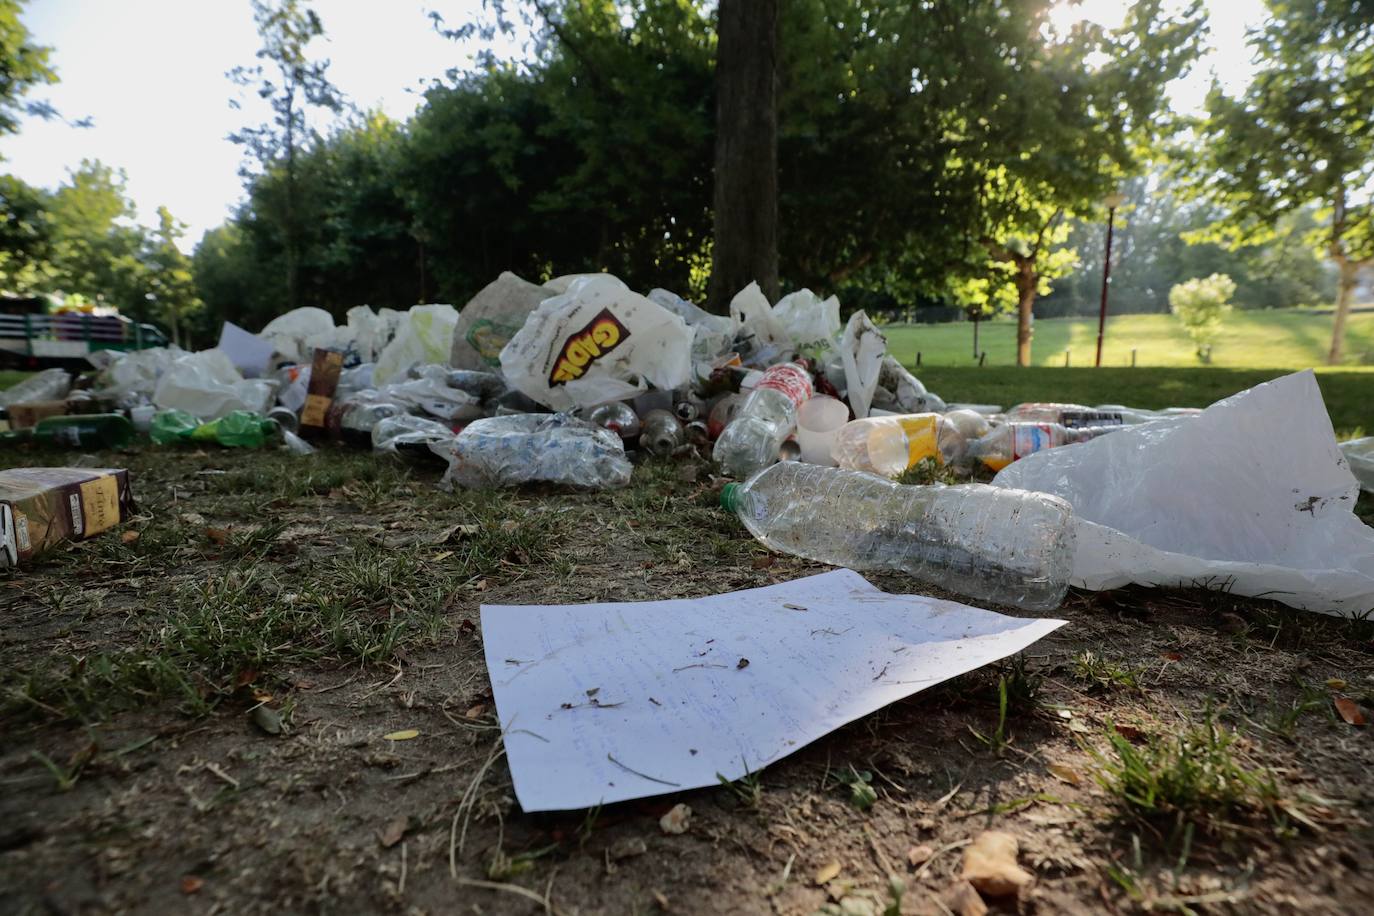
(827, 873)
(404, 734)
(742, 663)
(1350, 711)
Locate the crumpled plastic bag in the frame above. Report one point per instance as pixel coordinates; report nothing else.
(752, 315)
(712, 335)
(48, 385)
(430, 392)
(811, 324)
(1252, 496)
(207, 385)
(1360, 454)
(861, 352)
(525, 448)
(597, 342)
(408, 429)
(491, 318)
(288, 333)
(901, 392)
(425, 336)
(132, 377)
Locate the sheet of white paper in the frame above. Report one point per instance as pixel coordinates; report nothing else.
(249, 353)
(608, 702)
(1252, 496)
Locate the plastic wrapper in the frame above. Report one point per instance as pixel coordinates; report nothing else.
(430, 393)
(288, 333)
(1360, 454)
(753, 316)
(597, 342)
(424, 336)
(170, 426)
(48, 385)
(236, 429)
(712, 335)
(390, 433)
(295, 444)
(809, 323)
(861, 353)
(552, 448)
(491, 318)
(207, 384)
(899, 391)
(1252, 496)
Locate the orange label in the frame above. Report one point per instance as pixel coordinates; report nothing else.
(99, 505)
(922, 439)
(316, 406)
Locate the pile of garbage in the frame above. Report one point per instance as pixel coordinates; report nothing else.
(571, 381)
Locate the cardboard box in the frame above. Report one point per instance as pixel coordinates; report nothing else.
(319, 396)
(42, 507)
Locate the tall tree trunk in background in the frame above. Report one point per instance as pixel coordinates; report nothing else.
(1344, 287)
(745, 246)
(1026, 283)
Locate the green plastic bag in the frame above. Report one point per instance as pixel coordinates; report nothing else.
(236, 429)
(172, 426)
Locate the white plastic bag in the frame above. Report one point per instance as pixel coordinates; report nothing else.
(133, 376)
(861, 351)
(809, 323)
(288, 333)
(430, 392)
(752, 314)
(597, 342)
(712, 335)
(1360, 454)
(491, 318)
(1252, 495)
(207, 385)
(425, 336)
(408, 429)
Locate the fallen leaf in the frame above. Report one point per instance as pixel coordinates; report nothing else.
(624, 849)
(1173, 656)
(1065, 774)
(676, 820)
(1129, 732)
(404, 734)
(394, 830)
(1335, 683)
(245, 677)
(827, 873)
(990, 864)
(260, 697)
(218, 536)
(764, 561)
(1350, 711)
(920, 855)
(962, 900)
(194, 519)
(476, 712)
(661, 900)
(742, 663)
(190, 884)
(267, 719)
(440, 557)
(129, 536)
(467, 626)
(480, 585)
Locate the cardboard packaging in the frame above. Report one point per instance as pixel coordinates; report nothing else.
(41, 507)
(319, 396)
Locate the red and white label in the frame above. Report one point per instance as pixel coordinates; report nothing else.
(790, 380)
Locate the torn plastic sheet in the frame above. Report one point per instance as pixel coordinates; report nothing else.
(861, 352)
(602, 703)
(1252, 496)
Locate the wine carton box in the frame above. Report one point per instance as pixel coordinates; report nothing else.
(41, 507)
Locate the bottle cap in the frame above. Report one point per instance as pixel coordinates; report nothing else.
(730, 497)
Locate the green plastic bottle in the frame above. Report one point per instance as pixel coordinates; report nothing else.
(96, 430)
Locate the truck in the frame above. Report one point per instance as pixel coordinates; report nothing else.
(32, 337)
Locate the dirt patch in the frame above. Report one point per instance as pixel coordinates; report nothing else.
(1178, 750)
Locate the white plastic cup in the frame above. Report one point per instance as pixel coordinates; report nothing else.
(142, 417)
(818, 422)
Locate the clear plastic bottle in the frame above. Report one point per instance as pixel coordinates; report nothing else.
(890, 445)
(991, 543)
(1070, 416)
(1011, 441)
(764, 421)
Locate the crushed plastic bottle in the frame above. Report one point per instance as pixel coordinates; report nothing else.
(662, 434)
(48, 385)
(1069, 416)
(890, 445)
(555, 448)
(617, 416)
(1012, 441)
(1008, 546)
(765, 420)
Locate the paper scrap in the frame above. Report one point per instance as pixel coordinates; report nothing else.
(250, 354)
(602, 703)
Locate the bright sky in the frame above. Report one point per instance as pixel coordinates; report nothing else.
(150, 73)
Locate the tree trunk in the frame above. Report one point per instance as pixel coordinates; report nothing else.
(745, 247)
(1344, 286)
(1026, 282)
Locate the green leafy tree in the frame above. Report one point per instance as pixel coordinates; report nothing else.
(292, 84)
(23, 66)
(26, 238)
(172, 288)
(97, 245)
(1300, 135)
(1201, 304)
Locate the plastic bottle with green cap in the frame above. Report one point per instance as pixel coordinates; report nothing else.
(996, 544)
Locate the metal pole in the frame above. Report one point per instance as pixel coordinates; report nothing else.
(1106, 275)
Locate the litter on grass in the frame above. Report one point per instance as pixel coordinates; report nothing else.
(602, 703)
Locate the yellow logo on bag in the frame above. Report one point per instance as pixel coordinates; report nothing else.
(602, 335)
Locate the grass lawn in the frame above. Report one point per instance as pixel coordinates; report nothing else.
(1277, 338)
(1163, 750)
